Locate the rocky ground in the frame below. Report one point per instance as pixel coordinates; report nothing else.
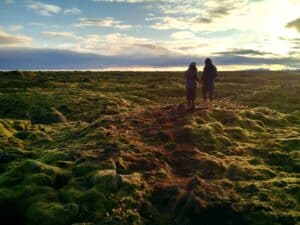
(120, 148)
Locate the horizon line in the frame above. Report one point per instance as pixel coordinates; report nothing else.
(140, 70)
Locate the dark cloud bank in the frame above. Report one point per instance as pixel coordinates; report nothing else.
(51, 59)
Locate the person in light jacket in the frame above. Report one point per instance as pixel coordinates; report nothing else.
(191, 79)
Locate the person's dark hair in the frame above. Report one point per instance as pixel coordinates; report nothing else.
(192, 66)
(208, 62)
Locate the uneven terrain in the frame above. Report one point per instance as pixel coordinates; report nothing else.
(120, 148)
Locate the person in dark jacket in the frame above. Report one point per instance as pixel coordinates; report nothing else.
(208, 79)
(191, 78)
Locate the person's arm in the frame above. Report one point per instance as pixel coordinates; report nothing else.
(196, 77)
(203, 74)
(216, 74)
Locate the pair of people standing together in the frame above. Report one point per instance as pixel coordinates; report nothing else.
(208, 77)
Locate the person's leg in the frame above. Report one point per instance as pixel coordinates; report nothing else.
(188, 97)
(204, 94)
(211, 96)
(193, 97)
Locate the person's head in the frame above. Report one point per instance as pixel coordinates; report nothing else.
(192, 66)
(208, 62)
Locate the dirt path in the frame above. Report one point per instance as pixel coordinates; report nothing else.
(172, 160)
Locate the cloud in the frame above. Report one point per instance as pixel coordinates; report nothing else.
(9, 1)
(15, 27)
(262, 19)
(245, 52)
(186, 22)
(178, 23)
(124, 1)
(72, 11)
(294, 24)
(229, 24)
(182, 35)
(64, 35)
(43, 9)
(295, 43)
(120, 44)
(195, 15)
(207, 11)
(12, 39)
(232, 60)
(182, 43)
(105, 22)
(43, 25)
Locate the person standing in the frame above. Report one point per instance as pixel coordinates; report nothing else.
(191, 78)
(208, 79)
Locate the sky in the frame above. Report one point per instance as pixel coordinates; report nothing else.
(149, 34)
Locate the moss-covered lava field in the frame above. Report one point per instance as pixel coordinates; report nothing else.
(118, 148)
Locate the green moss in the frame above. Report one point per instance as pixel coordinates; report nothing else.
(240, 172)
(37, 136)
(290, 144)
(294, 190)
(24, 170)
(208, 136)
(39, 179)
(87, 167)
(294, 117)
(237, 133)
(107, 180)
(22, 125)
(29, 166)
(255, 161)
(267, 116)
(10, 210)
(80, 170)
(54, 156)
(44, 213)
(224, 141)
(8, 135)
(4, 132)
(226, 116)
(70, 193)
(95, 202)
(210, 167)
(284, 160)
(271, 218)
(7, 156)
(132, 182)
(47, 116)
(255, 125)
(84, 223)
(121, 166)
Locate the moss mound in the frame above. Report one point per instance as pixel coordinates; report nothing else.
(50, 213)
(47, 116)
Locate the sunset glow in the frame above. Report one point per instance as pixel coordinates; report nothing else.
(145, 34)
